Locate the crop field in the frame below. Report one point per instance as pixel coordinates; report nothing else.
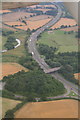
(10, 17)
(16, 4)
(7, 104)
(71, 29)
(32, 22)
(5, 11)
(64, 42)
(44, 10)
(9, 28)
(51, 109)
(24, 27)
(77, 76)
(39, 17)
(11, 68)
(14, 23)
(64, 21)
(36, 24)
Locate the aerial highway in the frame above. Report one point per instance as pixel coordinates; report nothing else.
(36, 56)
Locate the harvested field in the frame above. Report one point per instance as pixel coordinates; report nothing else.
(10, 17)
(22, 27)
(51, 109)
(5, 11)
(14, 23)
(36, 24)
(11, 68)
(71, 29)
(7, 104)
(77, 76)
(44, 6)
(50, 6)
(39, 17)
(16, 4)
(64, 21)
(43, 10)
(7, 27)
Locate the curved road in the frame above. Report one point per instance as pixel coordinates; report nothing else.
(19, 43)
(32, 49)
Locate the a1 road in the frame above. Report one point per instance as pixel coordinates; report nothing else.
(33, 50)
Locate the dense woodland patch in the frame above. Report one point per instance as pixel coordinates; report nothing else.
(33, 83)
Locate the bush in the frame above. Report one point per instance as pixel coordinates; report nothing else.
(9, 114)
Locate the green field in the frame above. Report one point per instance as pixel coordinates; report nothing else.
(14, 54)
(64, 42)
(7, 104)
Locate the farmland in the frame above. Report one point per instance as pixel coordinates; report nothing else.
(77, 76)
(7, 104)
(64, 42)
(36, 24)
(11, 68)
(71, 29)
(8, 28)
(64, 21)
(35, 83)
(32, 22)
(15, 4)
(15, 54)
(53, 109)
(39, 17)
(44, 10)
(10, 17)
(5, 11)
(14, 23)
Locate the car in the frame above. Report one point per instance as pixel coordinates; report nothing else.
(32, 53)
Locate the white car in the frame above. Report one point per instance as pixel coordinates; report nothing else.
(32, 53)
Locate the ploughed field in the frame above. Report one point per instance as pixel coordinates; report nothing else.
(10, 68)
(51, 109)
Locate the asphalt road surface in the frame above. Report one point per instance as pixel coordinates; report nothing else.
(32, 49)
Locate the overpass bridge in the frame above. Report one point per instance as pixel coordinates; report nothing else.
(52, 70)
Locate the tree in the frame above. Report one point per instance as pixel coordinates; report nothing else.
(9, 114)
(11, 39)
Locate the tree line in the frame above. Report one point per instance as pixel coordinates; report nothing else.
(68, 61)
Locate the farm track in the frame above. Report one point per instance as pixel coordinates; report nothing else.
(19, 43)
(36, 56)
